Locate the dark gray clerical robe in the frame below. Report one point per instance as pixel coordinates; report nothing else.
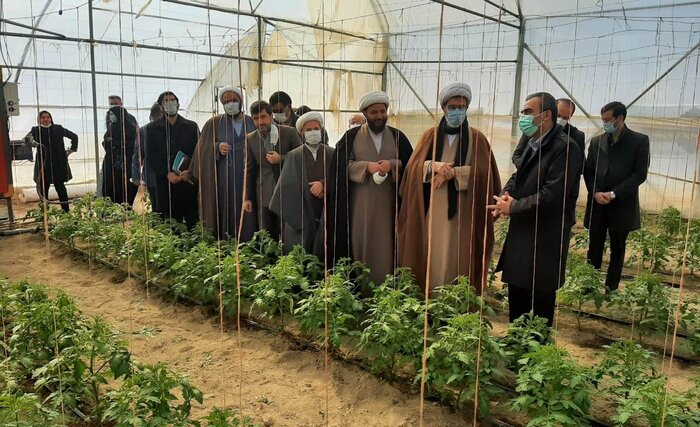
(300, 211)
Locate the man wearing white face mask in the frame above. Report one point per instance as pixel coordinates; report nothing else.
(565, 109)
(460, 179)
(282, 111)
(617, 165)
(218, 167)
(356, 120)
(300, 192)
(540, 199)
(268, 147)
(171, 145)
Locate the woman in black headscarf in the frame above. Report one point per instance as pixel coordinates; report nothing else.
(51, 165)
(119, 148)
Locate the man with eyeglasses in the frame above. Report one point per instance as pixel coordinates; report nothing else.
(617, 164)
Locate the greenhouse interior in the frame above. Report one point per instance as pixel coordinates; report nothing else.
(232, 213)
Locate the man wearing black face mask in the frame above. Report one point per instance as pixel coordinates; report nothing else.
(365, 176)
(171, 145)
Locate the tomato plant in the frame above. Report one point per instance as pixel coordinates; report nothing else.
(626, 365)
(651, 402)
(582, 284)
(190, 274)
(261, 250)
(344, 308)
(153, 396)
(649, 249)
(525, 335)
(461, 346)
(670, 221)
(647, 301)
(554, 390)
(393, 332)
(227, 418)
(278, 286)
(454, 299)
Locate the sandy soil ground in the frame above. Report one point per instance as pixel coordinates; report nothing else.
(278, 384)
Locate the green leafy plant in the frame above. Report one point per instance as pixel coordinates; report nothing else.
(278, 286)
(454, 299)
(651, 402)
(192, 271)
(344, 308)
(227, 418)
(647, 301)
(525, 335)
(74, 377)
(670, 221)
(25, 410)
(554, 390)
(649, 249)
(626, 366)
(583, 284)
(393, 332)
(153, 396)
(261, 250)
(466, 358)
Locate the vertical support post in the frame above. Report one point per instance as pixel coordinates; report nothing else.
(518, 78)
(94, 92)
(261, 42)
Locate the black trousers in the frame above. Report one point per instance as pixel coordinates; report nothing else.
(176, 201)
(520, 301)
(271, 222)
(598, 233)
(60, 187)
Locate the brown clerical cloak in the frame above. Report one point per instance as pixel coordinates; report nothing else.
(473, 243)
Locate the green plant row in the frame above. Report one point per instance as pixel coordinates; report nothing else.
(645, 301)
(62, 368)
(464, 360)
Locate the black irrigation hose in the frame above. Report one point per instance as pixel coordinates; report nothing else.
(619, 321)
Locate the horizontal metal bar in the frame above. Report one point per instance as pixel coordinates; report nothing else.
(29, 27)
(601, 13)
(389, 61)
(503, 8)
(473, 12)
(271, 18)
(180, 50)
(104, 73)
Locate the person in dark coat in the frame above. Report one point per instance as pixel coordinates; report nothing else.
(539, 199)
(565, 109)
(51, 165)
(118, 143)
(141, 173)
(169, 138)
(617, 164)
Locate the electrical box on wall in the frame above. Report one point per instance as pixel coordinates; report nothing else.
(11, 92)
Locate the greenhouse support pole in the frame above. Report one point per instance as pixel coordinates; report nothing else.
(261, 41)
(518, 80)
(94, 91)
(666, 73)
(561, 85)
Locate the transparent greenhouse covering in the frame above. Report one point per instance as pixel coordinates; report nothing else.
(326, 54)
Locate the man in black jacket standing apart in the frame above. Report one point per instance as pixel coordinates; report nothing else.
(169, 138)
(617, 164)
(565, 109)
(540, 199)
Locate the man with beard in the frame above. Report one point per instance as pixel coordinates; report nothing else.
(267, 149)
(302, 182)
(366, 171)
(461, 175)
(218, 167)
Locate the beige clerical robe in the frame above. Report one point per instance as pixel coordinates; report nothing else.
(373, 206)
(443, 255)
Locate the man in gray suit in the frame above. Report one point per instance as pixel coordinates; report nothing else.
(267, 148)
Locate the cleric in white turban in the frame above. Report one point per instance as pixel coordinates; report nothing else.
(299, 195)
(461, 178)
(218, 165)
(452, 90)
(309, 117)
(371, 98)
(368, 170)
